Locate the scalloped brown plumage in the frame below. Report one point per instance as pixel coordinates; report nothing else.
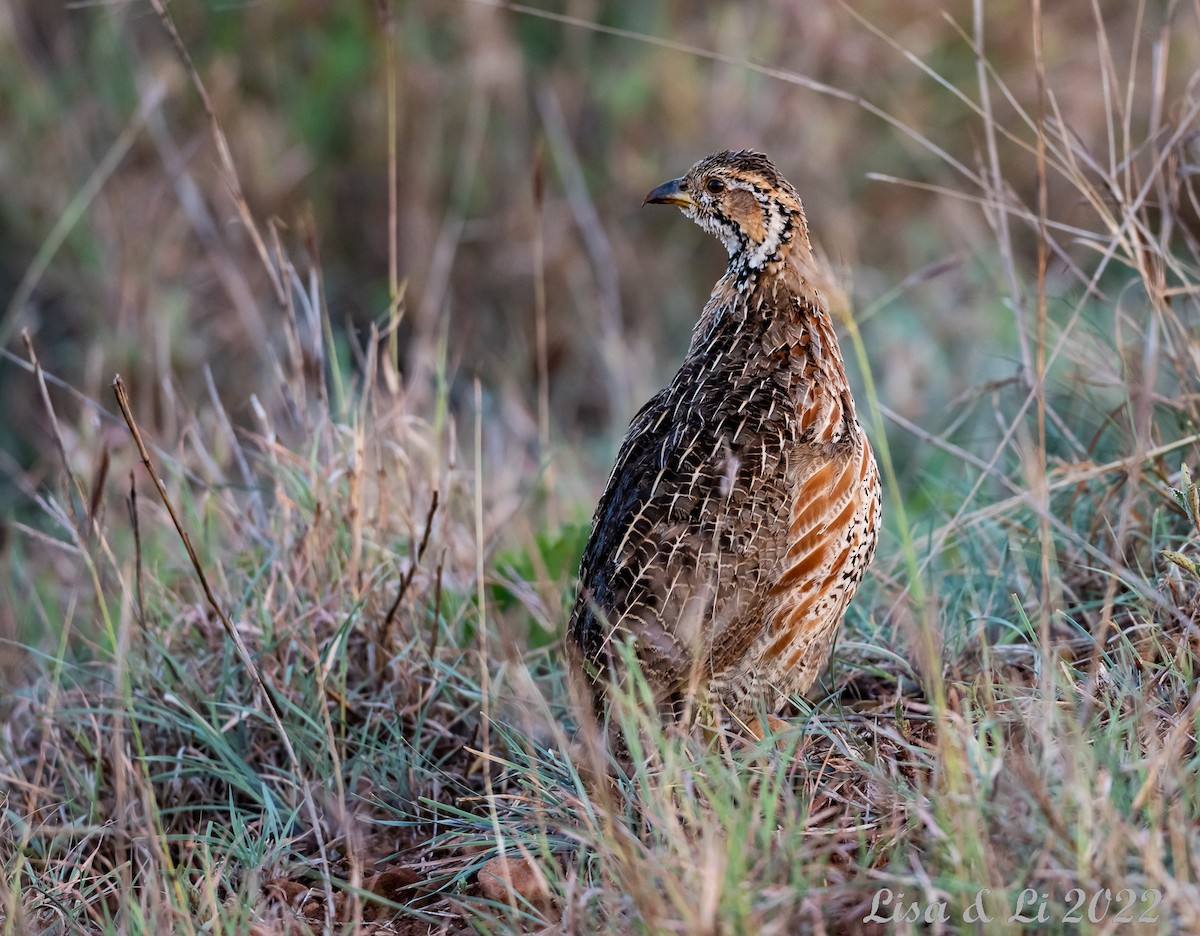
(744, 505)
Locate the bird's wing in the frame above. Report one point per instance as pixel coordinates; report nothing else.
(639, 462)
(832, 535)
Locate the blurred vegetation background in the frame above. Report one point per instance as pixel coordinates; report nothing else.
(1005, 193)
(525, 140)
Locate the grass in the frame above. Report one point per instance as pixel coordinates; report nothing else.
(310, 681)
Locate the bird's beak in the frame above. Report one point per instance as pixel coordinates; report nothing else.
(669, 193)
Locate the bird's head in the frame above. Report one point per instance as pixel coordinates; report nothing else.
(742, 199)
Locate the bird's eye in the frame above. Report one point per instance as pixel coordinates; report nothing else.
(716, 186)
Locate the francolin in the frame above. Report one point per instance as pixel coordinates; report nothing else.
(744, 505)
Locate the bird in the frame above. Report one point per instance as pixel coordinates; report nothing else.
(744, 505)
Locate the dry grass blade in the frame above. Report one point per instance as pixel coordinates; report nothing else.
(135, 523)
(76, 487)
(406, 580)
(243, 651)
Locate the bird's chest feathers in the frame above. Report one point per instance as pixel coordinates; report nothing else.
(805, 362)
(761, 400)
(763, 383)
(810, 405)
